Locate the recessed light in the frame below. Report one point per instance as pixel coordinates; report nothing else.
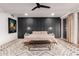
(52, 14)
(25, 14)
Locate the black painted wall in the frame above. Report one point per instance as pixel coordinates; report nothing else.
(29, 24)
(64, 29)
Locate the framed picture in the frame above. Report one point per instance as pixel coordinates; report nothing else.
(11, 25)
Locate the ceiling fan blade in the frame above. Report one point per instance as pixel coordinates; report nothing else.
(44, 6)
(37, 4)
(34, 8)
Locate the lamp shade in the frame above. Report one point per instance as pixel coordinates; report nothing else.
(28, 28)
(50, 28)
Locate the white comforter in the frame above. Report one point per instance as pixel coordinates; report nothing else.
(39, 37)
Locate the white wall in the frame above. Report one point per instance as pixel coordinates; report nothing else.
(61, 28)
(4, 35)
(75, 28)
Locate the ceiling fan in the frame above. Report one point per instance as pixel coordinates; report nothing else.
(40, 6)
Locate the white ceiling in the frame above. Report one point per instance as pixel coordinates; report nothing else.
(19, 9)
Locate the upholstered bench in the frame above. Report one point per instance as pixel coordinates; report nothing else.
(38, 44)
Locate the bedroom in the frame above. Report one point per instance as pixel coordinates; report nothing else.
(41, 27)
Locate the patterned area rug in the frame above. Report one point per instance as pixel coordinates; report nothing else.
(17, 48)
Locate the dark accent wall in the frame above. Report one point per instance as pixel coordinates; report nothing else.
(64, 28)
(29, 24)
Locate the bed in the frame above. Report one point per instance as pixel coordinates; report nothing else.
(39, 39)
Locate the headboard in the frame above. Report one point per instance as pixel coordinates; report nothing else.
(39, 32)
